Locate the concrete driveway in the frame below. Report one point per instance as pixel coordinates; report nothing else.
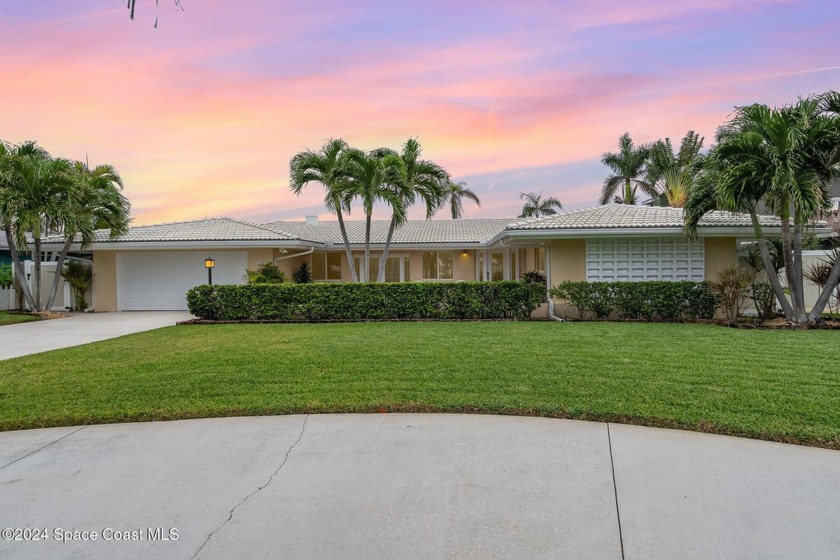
(412, 486)
(23, 339)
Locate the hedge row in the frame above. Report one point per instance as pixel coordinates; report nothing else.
(668, 301)
(360, 302)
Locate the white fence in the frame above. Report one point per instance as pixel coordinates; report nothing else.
(812, 291)
(8, 299)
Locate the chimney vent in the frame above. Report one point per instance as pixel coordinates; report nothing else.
(311, 220)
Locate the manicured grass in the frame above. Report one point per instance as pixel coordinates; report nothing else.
(12, 318)
(778, 385)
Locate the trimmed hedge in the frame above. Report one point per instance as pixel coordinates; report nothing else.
(364, 302)
(667, 301)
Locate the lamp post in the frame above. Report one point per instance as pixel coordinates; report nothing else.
(209, 264)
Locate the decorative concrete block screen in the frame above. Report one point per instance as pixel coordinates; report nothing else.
(640, 259)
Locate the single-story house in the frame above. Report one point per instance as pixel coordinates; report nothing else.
(152, 267)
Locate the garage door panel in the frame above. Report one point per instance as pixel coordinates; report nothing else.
(160, 281)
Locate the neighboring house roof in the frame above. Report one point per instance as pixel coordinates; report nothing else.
(413, 231)
(627, 216)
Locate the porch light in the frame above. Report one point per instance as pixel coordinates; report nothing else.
(465, 254)
(209, 264)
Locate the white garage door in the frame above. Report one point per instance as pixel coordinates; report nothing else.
(160, 281)
(639, 259)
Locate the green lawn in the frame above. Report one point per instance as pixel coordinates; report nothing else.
(12, 318)
(779, 385)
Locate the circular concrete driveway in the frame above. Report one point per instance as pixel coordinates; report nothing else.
(411, 486)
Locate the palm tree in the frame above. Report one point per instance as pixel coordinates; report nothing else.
(328, 167)
(456, 192)
(784, 158)
(536, 206)
(8, 187)
(95, 202)
(629, 167)
(369, 176)
(411, 178)
(671, 173)
(35, 201)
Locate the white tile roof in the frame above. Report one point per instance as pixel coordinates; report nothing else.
(621, 216)
(472, 231)
(208, 229)
(413, 231)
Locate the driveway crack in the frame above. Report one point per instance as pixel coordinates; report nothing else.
(615, 491)
(42, 447)
(256, 491)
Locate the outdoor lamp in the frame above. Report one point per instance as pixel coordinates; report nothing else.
(209, 264)
(465, 254)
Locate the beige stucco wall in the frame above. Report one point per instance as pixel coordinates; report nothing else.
(568, 260)
(105, 280)
(720, 252)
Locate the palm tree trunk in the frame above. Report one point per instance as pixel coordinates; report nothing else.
(381, 276)
(37, 272)
(347, 250)
(19, 272)
(453, 202)
(772, 274)
(366, 271)
(799, 293)
(825, 296)
(58, 268)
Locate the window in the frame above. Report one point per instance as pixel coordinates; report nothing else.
(326, 266)
(437, 265)
(397, 268)
(497, 267)
(539, 255)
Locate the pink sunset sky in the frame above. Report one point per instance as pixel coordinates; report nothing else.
(202, 114)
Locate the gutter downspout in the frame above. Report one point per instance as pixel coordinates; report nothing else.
(307, 252)
(550, 299)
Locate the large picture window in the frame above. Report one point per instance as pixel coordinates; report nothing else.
(326, 266)
(437, 265)
(397, 268)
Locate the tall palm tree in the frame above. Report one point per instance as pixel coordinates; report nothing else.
(456, 192)
(629, 169)
(94, 202)
(671, 173)
(536, 206)
(783, 157)
(411, 178)
(327, 166)
(368, 178)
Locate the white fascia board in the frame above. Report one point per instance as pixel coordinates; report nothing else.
(453, 245)
(165, 245)
(718, 231)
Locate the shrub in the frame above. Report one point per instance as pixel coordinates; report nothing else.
(533, 277)
(731, 287)
(80, 278)
(366, 301)
(669, 301)
(5, 276)
(267, 273)
(303, 273)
